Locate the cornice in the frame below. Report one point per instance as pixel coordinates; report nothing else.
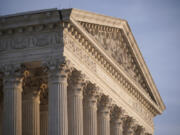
(29, 18)
(143, 65)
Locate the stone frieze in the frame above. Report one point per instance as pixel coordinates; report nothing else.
(30, 41)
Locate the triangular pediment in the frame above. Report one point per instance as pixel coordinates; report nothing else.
(115, 38)
(115, 44)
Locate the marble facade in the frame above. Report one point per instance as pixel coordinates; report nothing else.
(73, 72)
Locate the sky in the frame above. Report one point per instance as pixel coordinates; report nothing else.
(156, 27)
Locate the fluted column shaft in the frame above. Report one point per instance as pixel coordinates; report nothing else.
(116, 127)
(103, 123)
(1, 112)
(75, 113)
(116, 121)
(90, 116)
(104, 116)
(12, 108)
(31, 115)
(44, 120)
(90, 109)
(57, 109)
(75, 105)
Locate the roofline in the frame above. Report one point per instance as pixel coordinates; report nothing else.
(28, 13)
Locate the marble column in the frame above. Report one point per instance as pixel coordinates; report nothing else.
(12, 104)
(140, 131)
(147, 134)
(90, 110)
(116, 121)
(129, 126)
(104, 115)
(1, 117)
(31, 114)
(57, 100)
(75, 105)
(44, 119)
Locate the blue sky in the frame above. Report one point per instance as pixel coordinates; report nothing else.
(156, 27)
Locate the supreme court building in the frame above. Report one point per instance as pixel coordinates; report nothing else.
(73, 72)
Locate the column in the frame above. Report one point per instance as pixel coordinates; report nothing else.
(44, 119)
(31, 113)
(57, 102)
(90, 110)
(129, 126)
(12, 104)
(75, 105)
(147, 134)
(140, 130)
(116, 121)
(1, 111)
(104, 115)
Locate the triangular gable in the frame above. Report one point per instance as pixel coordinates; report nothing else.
(115, 38)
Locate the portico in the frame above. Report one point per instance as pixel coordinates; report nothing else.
(72, 72)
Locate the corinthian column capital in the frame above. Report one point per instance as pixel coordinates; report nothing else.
(12, 75)
(129, 126)
(140, 130)
(58, 68)
(76, 82)
(104, 104)
(117, 114)
(91, 93)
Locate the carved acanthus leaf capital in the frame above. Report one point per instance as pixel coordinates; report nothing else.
(117, 114)
(76, 81)
(140, 130)
(13, 75)
(91, 90)
(57, 67)
(130, 126)
(104, 103)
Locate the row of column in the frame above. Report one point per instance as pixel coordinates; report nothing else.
(74, 109)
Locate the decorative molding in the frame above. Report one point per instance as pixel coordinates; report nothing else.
(70, 44)
(29, 40)
(143, 113)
